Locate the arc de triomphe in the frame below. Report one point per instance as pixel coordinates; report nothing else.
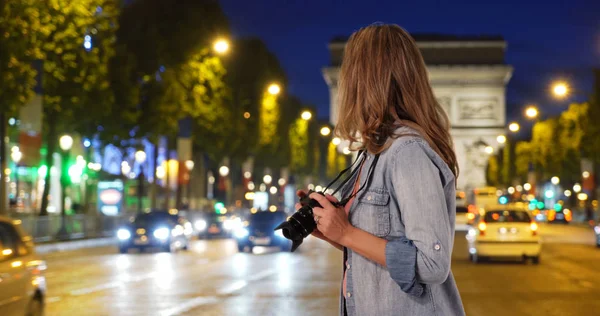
(469, 77)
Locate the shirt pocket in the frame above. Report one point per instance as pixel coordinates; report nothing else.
(373, 212)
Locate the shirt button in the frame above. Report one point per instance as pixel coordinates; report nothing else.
(437, 247)
(369, 198)
(348, 294)
(347, 266)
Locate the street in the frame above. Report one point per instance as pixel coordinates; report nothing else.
(213, 279)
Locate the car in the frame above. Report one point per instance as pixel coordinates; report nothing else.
(504, 231)
(213, 225)
(259, 230)
(156, 229)
(563, 216)
(22, 280)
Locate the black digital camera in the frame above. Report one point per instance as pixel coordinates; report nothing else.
(302, 223)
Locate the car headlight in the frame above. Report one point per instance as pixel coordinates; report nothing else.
(279, 233)
(200, 225)
(123, 234)
(240, 233)
(162, 233)
(228, 224)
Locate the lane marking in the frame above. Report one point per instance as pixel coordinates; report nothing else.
(189, 305)
(53, 299)
(235, 286)
(224, 291)
(111, 285)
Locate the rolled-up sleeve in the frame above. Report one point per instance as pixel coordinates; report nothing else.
(423, 255)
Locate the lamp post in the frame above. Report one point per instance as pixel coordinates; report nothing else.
(16, 156)
(560, 89)
(140, 158)
(189, 164)
(66, 143)
(531, 112)
(223, 183)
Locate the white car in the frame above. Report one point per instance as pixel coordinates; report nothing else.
(504, 231)
(22, 282)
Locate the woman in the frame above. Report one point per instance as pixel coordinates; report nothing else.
(397, 229)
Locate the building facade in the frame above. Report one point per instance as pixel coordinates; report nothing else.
(469, 77)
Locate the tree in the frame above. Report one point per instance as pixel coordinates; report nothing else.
(19, 49)
(492, 171)
(251, 69)
(546, 156)
(75, 70)
(160, 42)
(523, 156)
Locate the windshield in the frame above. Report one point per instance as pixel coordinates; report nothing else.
(508, 216)
(267, 217)
(154, 217)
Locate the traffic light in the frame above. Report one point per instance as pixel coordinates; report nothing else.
(558, 207)
(503, 200)
(219, 206)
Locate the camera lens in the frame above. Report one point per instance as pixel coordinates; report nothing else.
(300, 224)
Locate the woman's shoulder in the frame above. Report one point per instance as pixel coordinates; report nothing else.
(409, 148)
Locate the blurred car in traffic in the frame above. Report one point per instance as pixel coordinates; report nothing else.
(259, 230)
(504, 231)
(212, 225)
(157, 229)
(564, 216)
(22, 280)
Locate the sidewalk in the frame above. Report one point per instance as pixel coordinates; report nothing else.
(45, 248)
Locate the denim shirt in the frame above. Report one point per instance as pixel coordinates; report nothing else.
(410, 203)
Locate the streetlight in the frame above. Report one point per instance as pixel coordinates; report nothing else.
(224, 171)
(267, 179)
(489, 150)
(531, 112)
(585, 174)
(567, 193)
(221, 46)
(555, 180)
(527, 186)
(560, 89)
(274, 89)
(514, 127)
(346, 151)
(577, 188)
(306, 115)
(336, 141)
(140, 158)
(501, 139)
(189, 164)
(66, 143)
(325, 130)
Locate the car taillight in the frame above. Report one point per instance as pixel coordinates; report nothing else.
(534, 228)
(472, 208)
(482, 227)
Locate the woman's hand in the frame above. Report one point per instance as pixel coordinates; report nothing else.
(332, 221)
(316, 233)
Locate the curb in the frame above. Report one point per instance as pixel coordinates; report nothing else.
(74, 245)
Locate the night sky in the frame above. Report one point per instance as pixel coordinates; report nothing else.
(547, 40)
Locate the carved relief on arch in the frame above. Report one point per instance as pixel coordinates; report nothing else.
(480, 108)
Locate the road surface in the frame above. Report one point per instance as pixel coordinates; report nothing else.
(213, 279)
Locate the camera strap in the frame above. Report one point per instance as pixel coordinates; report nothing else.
(366, 184)
(360, 157)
